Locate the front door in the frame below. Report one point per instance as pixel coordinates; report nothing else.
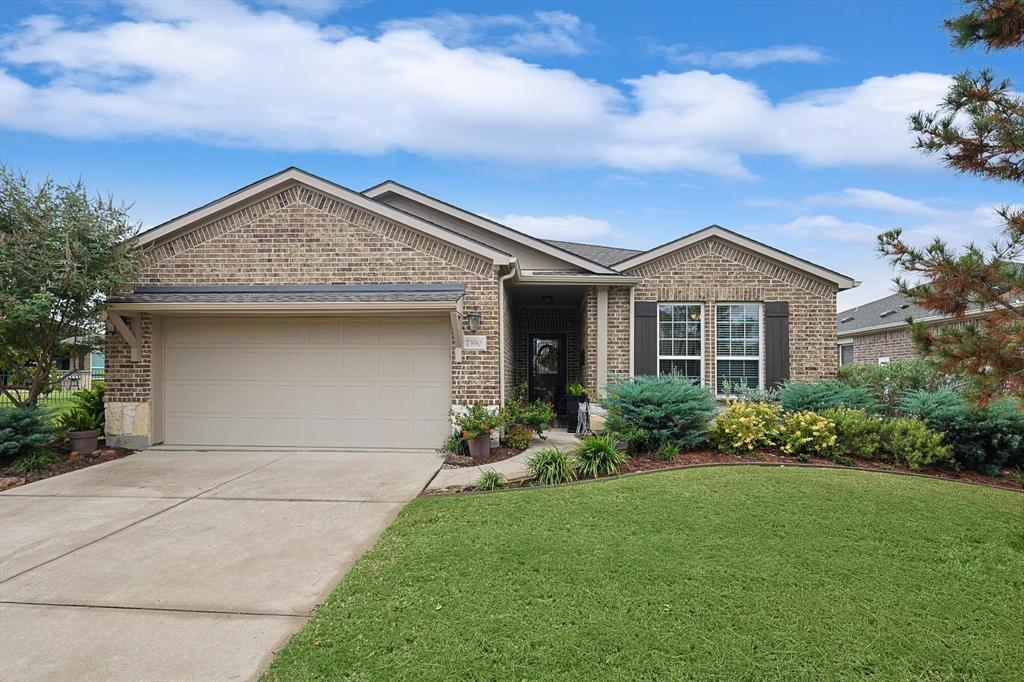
(547, 370)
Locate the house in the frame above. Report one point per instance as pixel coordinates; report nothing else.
(297, 312)
(878, 333)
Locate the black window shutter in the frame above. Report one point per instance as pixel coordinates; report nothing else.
(776, 342)
(645, 338)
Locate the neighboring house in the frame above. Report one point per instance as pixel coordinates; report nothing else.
(878, 333)
(298, 312)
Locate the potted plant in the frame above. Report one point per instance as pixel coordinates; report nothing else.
(82, 427)
(476, 424)
(575, 395)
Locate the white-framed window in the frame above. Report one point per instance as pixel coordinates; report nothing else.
(845, 354)
(739, 344)
(681, 340)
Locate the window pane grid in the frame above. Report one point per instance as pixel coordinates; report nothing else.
(681, 340)
(738, 345)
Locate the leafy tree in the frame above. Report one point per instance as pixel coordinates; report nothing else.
(978, 129)
(60, 252)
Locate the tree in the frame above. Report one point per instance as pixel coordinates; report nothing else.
(60, 252)
(978, 129)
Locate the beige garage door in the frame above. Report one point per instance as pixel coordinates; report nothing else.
(312, 382)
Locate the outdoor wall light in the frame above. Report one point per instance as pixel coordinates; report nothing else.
(474, 320)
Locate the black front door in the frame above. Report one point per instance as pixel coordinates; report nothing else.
(547, 370)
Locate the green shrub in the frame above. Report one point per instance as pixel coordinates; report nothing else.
(476, 420)
(23, 430)
(983, 439)
(550, 466)
(517, 437)
(824, 395)
(596, 455)
(666, 453)
(909, 441)
(746, 426)
(91, 401)
(648, 411)
(34, 461)
(807, 434)
(491, 480)
(740, 391)
(858, 434)
(518, 412)
(888, 384)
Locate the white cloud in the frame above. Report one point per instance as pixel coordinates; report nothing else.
(831, 228)
(542, 33)
(227, 74)
(876, 200)
(304, 8)
(744, 59)
(564, 227)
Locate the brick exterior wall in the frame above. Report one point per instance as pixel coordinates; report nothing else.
(300, 236)
(895, 345)
(716, 271)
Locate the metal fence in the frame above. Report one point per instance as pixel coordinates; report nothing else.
(62, 392)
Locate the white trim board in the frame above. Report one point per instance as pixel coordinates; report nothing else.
(392, 187)
(291, 176)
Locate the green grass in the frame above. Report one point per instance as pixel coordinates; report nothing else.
(719, 573)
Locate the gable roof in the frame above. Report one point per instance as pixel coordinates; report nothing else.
(605, 255)
(293, 175)
(840, 280)
(551, 249)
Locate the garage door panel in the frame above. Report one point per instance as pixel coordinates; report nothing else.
(311, 382)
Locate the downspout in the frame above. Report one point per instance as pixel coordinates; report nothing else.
(501, 330)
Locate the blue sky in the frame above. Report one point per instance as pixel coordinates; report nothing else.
(620, 123)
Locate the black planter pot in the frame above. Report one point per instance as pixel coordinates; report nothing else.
(572, 411)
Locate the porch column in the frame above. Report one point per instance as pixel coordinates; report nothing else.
(602, 339)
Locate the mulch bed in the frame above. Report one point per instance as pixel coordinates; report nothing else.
(63, 465)
(644, 463)
(497, 455)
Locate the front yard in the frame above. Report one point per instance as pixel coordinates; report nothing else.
(720, 573)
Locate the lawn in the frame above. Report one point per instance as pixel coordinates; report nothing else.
(715, 573)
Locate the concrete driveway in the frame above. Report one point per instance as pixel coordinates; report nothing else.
(171, 565)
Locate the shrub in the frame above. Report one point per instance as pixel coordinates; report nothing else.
(537, 416)
(476, 420)
(888, 384)
(858, 434)
(596, 455)
(517, 437)
(23, 430)
(666, 453)
(807, 434)
(648, 411)
(491, 480)
(550, 466)
(740, 391)
(34, 461)
(984, 439)
(909, 441)
(745, 426)
(824, 395)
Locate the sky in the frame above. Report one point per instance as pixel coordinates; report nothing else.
(627, 124)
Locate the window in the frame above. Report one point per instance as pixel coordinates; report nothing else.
(681, 340)
(738, 345)
(97, 363)
(845, 354)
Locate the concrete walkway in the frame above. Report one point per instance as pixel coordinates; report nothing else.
(185, 565)
(514, 468)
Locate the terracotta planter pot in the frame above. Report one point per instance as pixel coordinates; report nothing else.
(84, 441)
(480, 447)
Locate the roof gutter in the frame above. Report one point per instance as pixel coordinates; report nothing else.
(292, 307)
(608, 280)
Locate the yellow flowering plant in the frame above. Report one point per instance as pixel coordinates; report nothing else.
(745, 426)
(807, 434)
